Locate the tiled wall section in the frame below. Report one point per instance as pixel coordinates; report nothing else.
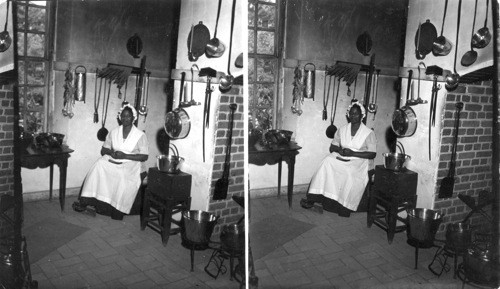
(474, 149)
(227, 209)
(6, 149)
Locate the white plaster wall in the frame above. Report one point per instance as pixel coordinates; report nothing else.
(417, 145)
(421, 10)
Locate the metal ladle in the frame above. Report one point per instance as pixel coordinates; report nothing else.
(215, 48)
(453, 79)
(226, 82)
(372, 107)
(482, 37)
(5, 39)
(413, 101)
(442, 46)
(470, 56)
(143, 109)
(192, 101)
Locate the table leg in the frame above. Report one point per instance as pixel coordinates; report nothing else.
(51, 178)
(291, 173)
(166, 222)
(279, 177)
(392, 218)
(62, 183)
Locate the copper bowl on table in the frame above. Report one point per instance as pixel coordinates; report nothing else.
(278, 136)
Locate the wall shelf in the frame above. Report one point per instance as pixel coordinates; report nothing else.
(403, 73)
(176, 75)
(321, 65)
(91, 68)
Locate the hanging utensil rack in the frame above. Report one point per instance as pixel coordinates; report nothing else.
(177, 73)
(118, 74)
(403, 72)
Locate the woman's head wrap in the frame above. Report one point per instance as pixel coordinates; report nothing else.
(361, 107)
(134, 112)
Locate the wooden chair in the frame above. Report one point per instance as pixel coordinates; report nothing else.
(365, 199)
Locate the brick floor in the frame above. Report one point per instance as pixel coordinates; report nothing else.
(337, 253)
(340, 253)
(116, 254)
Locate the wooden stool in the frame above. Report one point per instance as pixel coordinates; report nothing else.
(166, 195)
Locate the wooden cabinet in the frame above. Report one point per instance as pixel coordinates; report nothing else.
(169, 186)
(392, 193)
(166, 194)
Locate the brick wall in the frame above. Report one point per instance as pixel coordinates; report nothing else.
(227, 209)
(474, 148)
(6, 150)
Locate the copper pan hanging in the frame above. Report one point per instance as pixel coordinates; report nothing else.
(177, 122)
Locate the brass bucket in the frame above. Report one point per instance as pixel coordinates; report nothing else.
(80, 83)
(309, 80)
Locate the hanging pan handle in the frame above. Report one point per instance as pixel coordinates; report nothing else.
(314, 66)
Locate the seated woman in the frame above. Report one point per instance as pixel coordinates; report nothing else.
(115, 176)
(341, 179)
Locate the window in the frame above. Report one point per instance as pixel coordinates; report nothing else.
(263, 62)
(33, 63)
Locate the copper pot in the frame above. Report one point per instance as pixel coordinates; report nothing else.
(233, 237)
(480, 265)
(458, 236)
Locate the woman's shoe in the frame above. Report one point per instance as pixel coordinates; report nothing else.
(304, 203)
(78, 207)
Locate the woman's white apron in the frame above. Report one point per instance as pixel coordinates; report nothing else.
(115, 184)
(343, 181)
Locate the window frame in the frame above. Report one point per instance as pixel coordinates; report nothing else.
(276, 55)
(24, 61)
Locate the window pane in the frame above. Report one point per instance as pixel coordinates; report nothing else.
(36, 45)
(251, 70)
(265, 95)
(251, 42)
(36, 73)
(36, 18)
(34, 98)
(265, 70)
(39, 3)
(265, 42)
(252, 99)
(251, 14)
(263, 118)
(22, 99)
(267, 16)
(33, 121)
(20, 16)
(20, 72)
(20, 44)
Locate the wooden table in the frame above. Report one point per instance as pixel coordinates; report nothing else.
(47, 157)
(261, 155)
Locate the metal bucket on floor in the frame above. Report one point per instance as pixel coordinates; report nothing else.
(233, 237)
(458, 236)
(198, 226)
(422, 224)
